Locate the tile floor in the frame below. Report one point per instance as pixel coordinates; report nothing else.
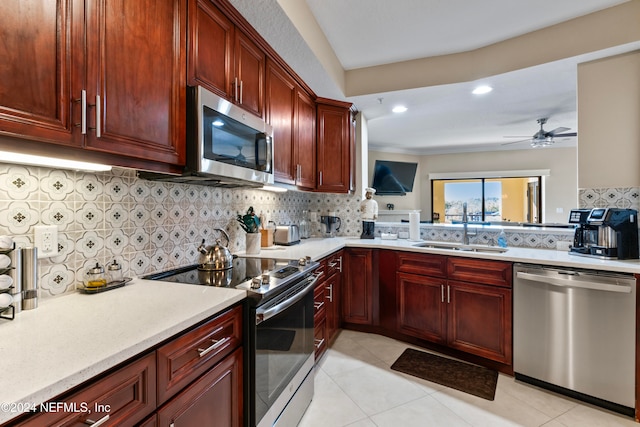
(355, 387)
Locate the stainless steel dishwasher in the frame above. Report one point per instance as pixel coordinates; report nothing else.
(574, 332)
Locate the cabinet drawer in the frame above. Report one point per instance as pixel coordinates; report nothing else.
(422, 264)
(487, 272)
(122, 398)
(334, 263)
(187, 357)
(319, 304)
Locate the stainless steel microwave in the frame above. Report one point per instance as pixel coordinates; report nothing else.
(226, 146)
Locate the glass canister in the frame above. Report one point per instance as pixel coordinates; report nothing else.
(304, 225)
(95, 277)
(114, 272)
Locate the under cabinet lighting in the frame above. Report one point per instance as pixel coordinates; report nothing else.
(274, 189)
(31, 160)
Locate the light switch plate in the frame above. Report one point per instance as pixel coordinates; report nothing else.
(46, 240)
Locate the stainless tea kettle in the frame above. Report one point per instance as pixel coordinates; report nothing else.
(216, 257)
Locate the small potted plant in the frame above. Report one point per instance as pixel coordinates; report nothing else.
(250, 223)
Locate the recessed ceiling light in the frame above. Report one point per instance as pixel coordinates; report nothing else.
(481, 90)
(399, 109)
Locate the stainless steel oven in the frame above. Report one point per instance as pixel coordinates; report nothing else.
(279, 333)
(284, 355)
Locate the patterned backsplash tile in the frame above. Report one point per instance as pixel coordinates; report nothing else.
(149, 226)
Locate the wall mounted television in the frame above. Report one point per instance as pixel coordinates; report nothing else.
(393, 178)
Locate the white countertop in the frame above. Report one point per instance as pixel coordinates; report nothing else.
(318, 248)
(70, 339)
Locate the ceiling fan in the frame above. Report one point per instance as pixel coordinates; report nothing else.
(542, 138)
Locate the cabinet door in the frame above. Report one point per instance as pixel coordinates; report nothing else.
(334, 148)
(357, 288)
(479, 320)
(36, 69)
(305, 141)
(215, 399)
(124, 398)
(211, 42)
(249, 72)
(422, 307)
(281, 100)
(136, 78)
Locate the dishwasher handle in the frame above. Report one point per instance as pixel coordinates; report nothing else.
(571, 283)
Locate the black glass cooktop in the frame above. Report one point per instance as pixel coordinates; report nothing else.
(240, 275)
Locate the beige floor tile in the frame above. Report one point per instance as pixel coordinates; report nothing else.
(422, 412)
(550, 404)
(505, 410)
(587, 416)
(375, 389)
(330, 407)
(355, 387)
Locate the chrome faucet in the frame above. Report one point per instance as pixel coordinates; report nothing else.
(465, 223)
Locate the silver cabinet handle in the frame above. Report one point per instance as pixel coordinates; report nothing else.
(442, 293)
(235, 89)
(83, 112)
(98, 117)
(97, 423)
(448, 294)
(340, 264)
(240, 91)
(216, 343)
(318, 305)
(320, 179)
(330, 289)
(318, 343)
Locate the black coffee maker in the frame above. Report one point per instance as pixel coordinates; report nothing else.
(585, 234)
(606, 232)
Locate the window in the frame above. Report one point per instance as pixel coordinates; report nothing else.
(488, 199)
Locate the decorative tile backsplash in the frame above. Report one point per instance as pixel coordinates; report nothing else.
(619, 197)
(146, 226)
(150, 226)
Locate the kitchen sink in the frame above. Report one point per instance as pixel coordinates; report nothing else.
(460, 247)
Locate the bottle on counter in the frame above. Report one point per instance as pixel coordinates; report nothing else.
(96, 277)
(502, 239)
(304, 225)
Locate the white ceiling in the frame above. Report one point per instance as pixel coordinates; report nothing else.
(444, 118)
(449, 118)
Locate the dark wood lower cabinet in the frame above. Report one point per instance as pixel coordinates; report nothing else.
(359, 289)
(421, 310)
(479, 320)
(122, 398)
(213, 400)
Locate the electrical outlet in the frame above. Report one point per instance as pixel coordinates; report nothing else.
(46, 240)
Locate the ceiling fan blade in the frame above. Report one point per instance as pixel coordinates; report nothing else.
(556, 131)
(515, 142)
(564, 135)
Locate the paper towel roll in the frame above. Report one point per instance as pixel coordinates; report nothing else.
(414, 226)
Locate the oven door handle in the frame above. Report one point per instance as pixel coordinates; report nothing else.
(262, 314)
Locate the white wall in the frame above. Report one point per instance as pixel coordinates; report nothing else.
(560, 187)
(609, 122)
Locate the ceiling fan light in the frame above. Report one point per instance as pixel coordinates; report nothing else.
(399, 109)
(481, 90)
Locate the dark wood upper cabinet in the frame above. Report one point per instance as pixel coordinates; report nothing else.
(335, 148)
(223, 59)
(35, 71)
(102, 75)
(292, 113)
(136, 78)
